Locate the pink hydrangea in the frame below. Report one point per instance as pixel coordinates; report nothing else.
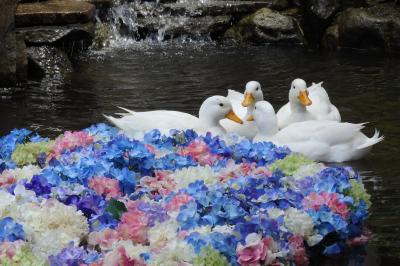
(315, 201)
(133, 224)
(177, 201)
(6, 179)
(119, 257)
(105, 186)
(104, 239)
(298, 250)
(160, 184)
(9, 249)
(70, 141)
(199, 151)
(254, 252)
(233, 170)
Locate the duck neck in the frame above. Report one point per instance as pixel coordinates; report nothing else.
(250, 110)
(207, 120)
(268, 127)
(297, 107)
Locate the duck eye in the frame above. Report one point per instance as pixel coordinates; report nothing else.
(255, 108)
(221, 104)
(257, 89)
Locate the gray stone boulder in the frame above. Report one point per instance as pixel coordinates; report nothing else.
(7, 43)
(366, 28)
(266, 26)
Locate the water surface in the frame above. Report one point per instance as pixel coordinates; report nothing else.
(364, 87)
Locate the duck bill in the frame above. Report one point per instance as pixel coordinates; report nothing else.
(232, 116)
(248, 99)
(303, 98)
(250, 118)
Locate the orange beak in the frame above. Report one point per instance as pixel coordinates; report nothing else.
(232, 116)
(248, 99)
(303, 98)
(250, 118)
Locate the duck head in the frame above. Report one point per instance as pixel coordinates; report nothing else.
(216, 108)
(265, 118)
(252, 93)
(298, 93)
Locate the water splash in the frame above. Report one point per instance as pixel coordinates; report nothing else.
(143, 23)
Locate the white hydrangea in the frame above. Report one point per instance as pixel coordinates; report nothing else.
(223, 229)
(188, 175)
(7, 204)
(176, 252)
(205, 229)
(50, 226)
(299, 222)
(274, 213)
(26, 172)
(161, 233)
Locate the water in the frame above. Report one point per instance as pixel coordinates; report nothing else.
(167, 76)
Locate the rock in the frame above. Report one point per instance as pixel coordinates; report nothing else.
(97, 3)
(54, 13)
(7, 43)
(48, 63)
(330, 39)
(21, 59)
(59, 35)
(172, 27)
(219, 8)
(266, 26)
(318, 15)
(368, 28)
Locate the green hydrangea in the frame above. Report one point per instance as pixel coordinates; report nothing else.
(210, 257)
(24, 257)
(290, 164)
(28, 153)
(358, 192)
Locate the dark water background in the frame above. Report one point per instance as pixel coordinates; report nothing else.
(364, 87)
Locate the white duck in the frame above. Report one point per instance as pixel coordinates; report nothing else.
(298, 101)
(211, 112)
(243, 106)
(321, 107)
(320, 140)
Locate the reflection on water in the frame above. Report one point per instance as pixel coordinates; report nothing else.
(363, 87)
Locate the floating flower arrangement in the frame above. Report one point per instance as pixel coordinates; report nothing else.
(96, 197)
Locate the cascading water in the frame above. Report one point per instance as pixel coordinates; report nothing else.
(131, 22)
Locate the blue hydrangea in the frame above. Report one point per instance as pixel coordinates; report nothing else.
(10, 230)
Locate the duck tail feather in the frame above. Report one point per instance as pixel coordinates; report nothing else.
(127, 110)
(111, 119)
(376, 138)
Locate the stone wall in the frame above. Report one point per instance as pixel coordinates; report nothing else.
(7, 43)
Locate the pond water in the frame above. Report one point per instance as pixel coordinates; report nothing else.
(145, 77)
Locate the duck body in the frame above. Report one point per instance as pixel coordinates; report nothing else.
(320, 109)
(164, 120)
(211, 112)
(320, 140)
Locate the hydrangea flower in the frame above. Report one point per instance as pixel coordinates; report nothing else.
(101, 198)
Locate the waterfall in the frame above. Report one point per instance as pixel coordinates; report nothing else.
(132, 22)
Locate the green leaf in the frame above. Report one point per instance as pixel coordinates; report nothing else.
(116, 208)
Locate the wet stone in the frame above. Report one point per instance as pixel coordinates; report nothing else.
(54, 13)
(266, 26)
(58, 34)
(7, 43)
